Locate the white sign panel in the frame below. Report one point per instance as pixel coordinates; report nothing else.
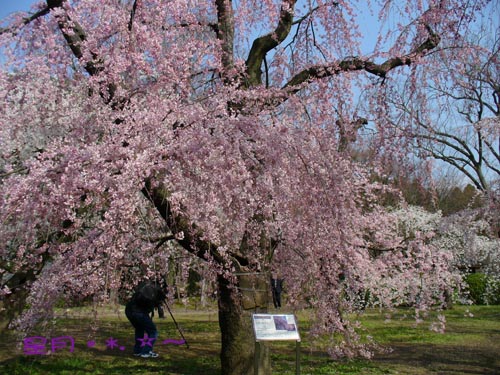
(275, 327)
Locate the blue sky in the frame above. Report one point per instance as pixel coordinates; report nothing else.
(9, 6)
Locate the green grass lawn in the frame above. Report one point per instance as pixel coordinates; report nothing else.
(470, 345)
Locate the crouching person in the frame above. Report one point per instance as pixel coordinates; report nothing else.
(139, 311)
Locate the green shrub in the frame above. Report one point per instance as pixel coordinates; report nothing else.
(476, 283)
(483, 289)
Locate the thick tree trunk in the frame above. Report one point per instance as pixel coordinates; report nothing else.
(236, 306)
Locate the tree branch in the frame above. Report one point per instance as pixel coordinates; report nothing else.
(492, 150)
(225, 31)
(262, 45)
(453, 161)
(301, 19)
(75, 38)
(444, 139)
(192, 240)
(25, 21)
(466, 151)
(132, 15)
(490, 166)
(356, 63)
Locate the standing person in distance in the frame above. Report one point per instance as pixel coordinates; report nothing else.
(276, 288)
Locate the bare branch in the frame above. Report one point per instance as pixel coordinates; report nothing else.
(301, 19)
(461, 168)
(444, 138)
(465, 161)
(267, 72)
(492, 150)
(490, 166)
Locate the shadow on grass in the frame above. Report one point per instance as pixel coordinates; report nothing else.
(108, 363)
(78, 366)
(443, 359)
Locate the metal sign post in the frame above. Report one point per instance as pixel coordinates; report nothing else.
(275, 327)
(297, 357)
(256, 357)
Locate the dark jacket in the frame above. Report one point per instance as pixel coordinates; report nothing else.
(277, 285)
(146, 298)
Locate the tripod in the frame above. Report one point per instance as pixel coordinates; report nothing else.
(176, 325)
(164, 303)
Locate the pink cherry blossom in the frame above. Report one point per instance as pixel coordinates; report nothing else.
(229, 129)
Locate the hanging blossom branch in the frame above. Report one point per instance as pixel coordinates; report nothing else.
(184, 232)
(262, 45)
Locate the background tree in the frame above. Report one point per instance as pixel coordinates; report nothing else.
(460, 125)
(466, 237)
(221, 126)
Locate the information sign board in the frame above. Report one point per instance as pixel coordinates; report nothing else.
(275, 327)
